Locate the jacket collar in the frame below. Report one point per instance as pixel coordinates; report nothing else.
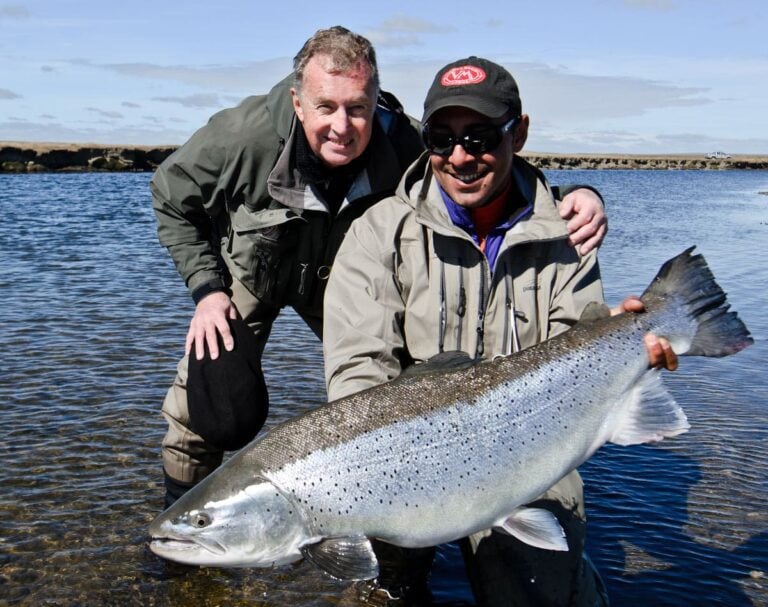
(379, 177)
(420, 190)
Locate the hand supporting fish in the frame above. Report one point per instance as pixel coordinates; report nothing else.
(660, 352)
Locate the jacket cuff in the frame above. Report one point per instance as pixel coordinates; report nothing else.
(561, 192)
(211, 286)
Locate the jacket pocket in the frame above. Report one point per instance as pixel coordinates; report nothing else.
(259, 247)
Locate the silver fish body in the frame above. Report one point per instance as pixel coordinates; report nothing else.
(451, 447)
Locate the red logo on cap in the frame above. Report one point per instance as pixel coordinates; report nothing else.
(465, 74)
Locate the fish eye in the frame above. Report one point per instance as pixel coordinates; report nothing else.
(200, 520)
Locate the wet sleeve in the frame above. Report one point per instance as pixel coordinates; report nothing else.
(561, 191)
(184, 199)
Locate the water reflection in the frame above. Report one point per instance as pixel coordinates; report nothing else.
(94, 318)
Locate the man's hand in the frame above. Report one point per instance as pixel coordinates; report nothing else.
(660, 353)
(587, 223)
(211, 314)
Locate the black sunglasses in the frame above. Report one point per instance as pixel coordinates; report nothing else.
(477, 141)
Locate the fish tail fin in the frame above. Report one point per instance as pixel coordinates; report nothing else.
(687, 282)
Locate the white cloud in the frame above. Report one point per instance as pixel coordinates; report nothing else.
(13, 11)
(553, 94)
(16, 130)
(654, 5)
(403, 31)
(404, 23)
(6, 94)
(201, 100)
(257, 76)
(105, 113)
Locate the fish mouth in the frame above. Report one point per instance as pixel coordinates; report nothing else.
(176, 545)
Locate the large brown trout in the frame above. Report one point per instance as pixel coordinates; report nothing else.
(451, 446)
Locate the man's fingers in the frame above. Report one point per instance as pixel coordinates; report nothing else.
(660, 353)
(226, 335)
(631, 303)
(670, 358)
(188, 341)
(566, 207)
(212, 340)
(594, 241)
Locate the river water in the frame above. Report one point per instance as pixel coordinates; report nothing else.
(93, 318)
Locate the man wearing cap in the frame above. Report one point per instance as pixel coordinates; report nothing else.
(252, 209)
(472, 255)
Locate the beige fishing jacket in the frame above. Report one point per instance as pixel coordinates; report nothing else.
(407, 284)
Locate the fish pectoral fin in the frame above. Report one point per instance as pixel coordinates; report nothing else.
(536, 527)
(344, 558)
(649, 414)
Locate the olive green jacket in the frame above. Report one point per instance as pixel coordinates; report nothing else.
(231, 202)
(407, 284)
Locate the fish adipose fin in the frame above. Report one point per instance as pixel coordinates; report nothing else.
(686, 281)
(344, 558)
(649, 414)
(536, 527)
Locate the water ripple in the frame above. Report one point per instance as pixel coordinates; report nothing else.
(94, 318)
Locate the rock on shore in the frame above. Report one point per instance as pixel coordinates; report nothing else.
(19, 157)
(68, 157)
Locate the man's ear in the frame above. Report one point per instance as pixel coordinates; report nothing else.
(297, 104)
(521, 133)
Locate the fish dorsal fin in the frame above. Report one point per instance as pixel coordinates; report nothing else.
(445, 361)
(648, 414)
(536, 527)
(594, 311)
(344, 558)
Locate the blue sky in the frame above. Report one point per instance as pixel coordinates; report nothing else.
(621, 76)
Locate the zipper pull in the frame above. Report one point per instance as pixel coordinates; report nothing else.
(302, 277)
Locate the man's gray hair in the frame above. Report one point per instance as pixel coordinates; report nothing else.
(346, 50)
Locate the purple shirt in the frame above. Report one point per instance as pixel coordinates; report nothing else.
(462, 218)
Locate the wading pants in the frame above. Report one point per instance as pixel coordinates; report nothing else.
(187, 458)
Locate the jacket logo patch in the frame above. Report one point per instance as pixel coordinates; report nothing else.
(531, 287)
(465, 74)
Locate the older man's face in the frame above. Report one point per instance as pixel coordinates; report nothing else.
(336, 110)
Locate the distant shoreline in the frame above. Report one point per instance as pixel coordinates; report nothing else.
(39, 157)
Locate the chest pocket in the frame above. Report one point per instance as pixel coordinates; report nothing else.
(528, 294)
(260, 246)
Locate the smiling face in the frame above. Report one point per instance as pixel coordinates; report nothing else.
(336, 110)
(474, 180)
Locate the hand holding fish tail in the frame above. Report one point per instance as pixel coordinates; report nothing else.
(660, 353)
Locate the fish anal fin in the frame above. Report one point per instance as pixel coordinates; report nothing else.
(344, 558)
(536, 527)
(649, 414)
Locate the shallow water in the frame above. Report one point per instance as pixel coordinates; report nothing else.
(94, 316)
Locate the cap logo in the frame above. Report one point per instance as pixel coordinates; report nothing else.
(465, 74)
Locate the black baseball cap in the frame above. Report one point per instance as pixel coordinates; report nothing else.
(475, 83)
(227, 397)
